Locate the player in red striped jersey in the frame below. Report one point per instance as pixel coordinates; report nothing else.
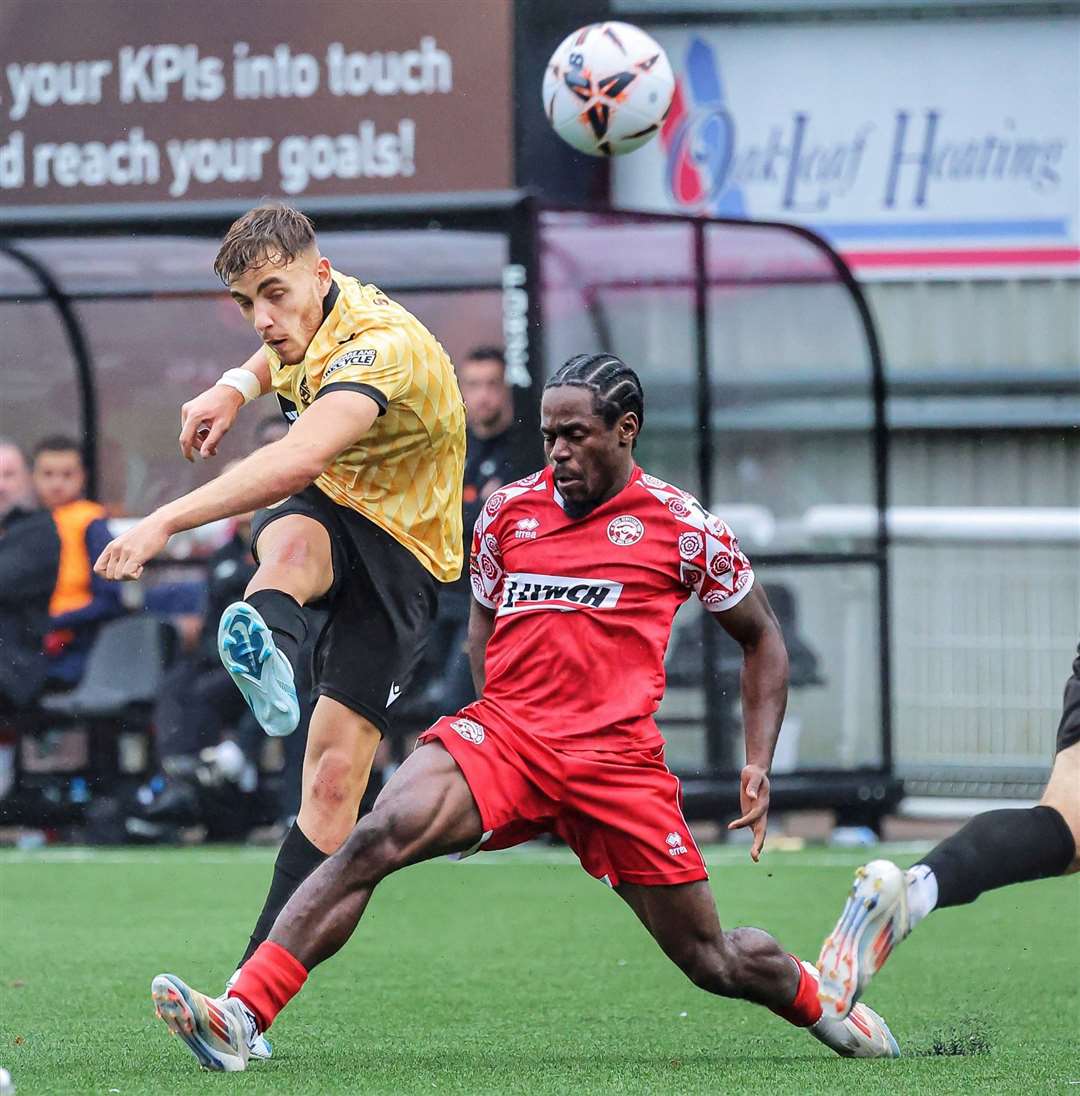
(577, 572)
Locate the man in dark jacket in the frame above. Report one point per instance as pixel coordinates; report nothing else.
(495, 454)
(29, 561)
(197, 699)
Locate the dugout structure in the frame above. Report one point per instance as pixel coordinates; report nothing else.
(749, 338)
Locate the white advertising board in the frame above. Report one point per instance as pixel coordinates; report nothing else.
(919, 149)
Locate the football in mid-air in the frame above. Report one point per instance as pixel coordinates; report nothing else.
(607, 88)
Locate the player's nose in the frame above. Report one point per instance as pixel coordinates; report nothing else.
(264, 320)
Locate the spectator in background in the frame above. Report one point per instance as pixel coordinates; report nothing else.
(200, 719)
(81, 601)
(206, 736)
(29, 561)
(198, 700)
(494, 456)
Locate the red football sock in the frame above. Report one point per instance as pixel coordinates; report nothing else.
(268, 981)
(806, 1008)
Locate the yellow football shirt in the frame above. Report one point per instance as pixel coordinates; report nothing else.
(405, 473)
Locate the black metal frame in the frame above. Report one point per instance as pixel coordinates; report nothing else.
(518, 214)
(80, 352)
(878, 557)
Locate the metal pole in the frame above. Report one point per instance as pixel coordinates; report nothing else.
(523, 321)
(717, 727)
(80, 351)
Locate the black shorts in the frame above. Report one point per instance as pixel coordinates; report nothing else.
(1069, 728)
(380, 608)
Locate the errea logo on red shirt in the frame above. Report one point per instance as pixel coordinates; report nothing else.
(524, 593)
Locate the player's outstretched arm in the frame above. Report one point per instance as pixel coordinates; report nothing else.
(206, 419)
(481, 625)
(326, 429)
(764, 698)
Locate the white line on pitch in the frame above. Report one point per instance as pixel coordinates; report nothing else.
(715, 856)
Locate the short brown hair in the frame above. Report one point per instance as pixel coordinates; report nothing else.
(273, 232)
(57, 443)
(487, 353)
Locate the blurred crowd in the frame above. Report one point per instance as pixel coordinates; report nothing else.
(83, 751)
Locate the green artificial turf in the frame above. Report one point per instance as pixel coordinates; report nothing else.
(515, 973)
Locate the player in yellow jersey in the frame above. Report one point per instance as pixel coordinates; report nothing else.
(370, 474)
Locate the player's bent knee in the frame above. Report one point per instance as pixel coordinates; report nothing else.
(333, 779)
(1063, 795)
(294, 541)
(332, 790)
(295, 559)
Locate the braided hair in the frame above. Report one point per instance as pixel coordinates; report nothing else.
(614, 385)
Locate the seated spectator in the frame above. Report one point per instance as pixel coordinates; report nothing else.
(81, 601)
(29, 562)
(494, 456)
(196, 702)
(208, 742)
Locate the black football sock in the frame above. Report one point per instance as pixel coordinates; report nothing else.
(285, 617)
(296, 860)
(998, 848)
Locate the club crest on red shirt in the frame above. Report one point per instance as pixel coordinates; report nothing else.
(625, 530)
(469, 729)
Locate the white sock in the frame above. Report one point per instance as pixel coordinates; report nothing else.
(250, 1023)
(922, 893)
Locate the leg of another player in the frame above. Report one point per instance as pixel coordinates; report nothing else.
(748, 963)
(1000, 848)
(426, 810)
(341, 745)
(995, 849)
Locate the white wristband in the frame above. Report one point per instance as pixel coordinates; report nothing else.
(244, 381)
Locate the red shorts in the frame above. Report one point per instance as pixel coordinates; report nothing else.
(621, 813)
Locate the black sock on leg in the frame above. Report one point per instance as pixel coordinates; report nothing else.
(296, 860)
(998, 848)
(285, 617)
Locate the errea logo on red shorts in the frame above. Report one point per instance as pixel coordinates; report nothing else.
(675, 844)
(523, 593)
(469, 729)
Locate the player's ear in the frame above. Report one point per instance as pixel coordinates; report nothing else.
(628, 427)
(323, 275)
